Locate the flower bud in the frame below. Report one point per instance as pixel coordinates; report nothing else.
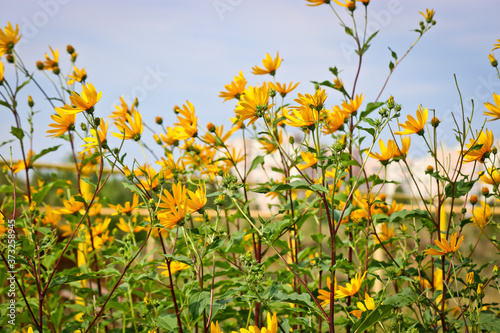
(9, 58)
(493, 61)
(398, 107)
(176, 109)
(494, 150)
(70, 49)
(470, 278)
(390, 103)
(272, 93)
(39, 65)
(83, 126)
(159, 120)
(435, 122)
(485, 191)
(56, 70)
(157, 139)
(97, 121)
(430, 169)
(473, 199)
(74, 55)
(211, 127)
(30, 102)
(464, 210)
(291, 139)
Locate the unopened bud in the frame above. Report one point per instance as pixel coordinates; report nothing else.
(390, 103)
(473, 199)
(485, 191)
(83, 126)
(435, 122)
(159, 120)
(30, 102)
(430, 169)
(39, 65)
(9, 58)
(493, 61)
(291, 139)
(56, 70)
(70, 49)
(211, 127)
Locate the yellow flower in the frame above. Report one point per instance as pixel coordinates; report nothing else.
(470, 278)
(495, 46)
(133, 130)
(491, 176)
(1, 72)
(493, 110)
(485, 141)
(85, 102)
(21, 165)
(8, 39)
(445, 246)
(385, 233)
(368, 304)
(126, 227)
(405, 146)
(71, 206)
(50, 216)
(235, 88)
(96, 137)
(386, 153)
(313, 3)
(351, 288)
(481, 215)
(428, 15)
(64, 122)
(79, 75)
(282, 89)
(197, 200)
(334, 120)
(214, 328)
(127, 208)
(315, 101)
(187, 126)
(253, 104)
(413, 125)
(218, 138)
(354, 104)
(51, 63)
(174, 204)
(349, 4)
(324, 295)
(301, 117)
(272, 326)
(270, 65)
(175, 266)
(267, 143)
(309, 160)
(122, 110)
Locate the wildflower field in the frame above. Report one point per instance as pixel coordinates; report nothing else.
(273, 224)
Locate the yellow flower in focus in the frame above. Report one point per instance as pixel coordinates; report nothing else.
(309, 160)
(351, 288)
(214, 328)
(324, 295)
(132, 130)
(470, 278)
(354, 104)
(122, 110)
(174, 204)
(367, 304)
(85, 102)
(21, 165)
(8, 38)
(127, 208)
(349, 4)
(481, 216)
(413, 125)
(493, 109)
(79, 75)
(485, 141)
(301, 117)
(96, 138)
(386, 153)
(187, 126)
(334, 120)
(445, 246)
(175, 266)
(197, 200)
(71, 206)
(235, 89)
(282, 89)
(491, 176)
(428, 15)
(253, 104)
(64, 122)
(270, 65)
(316, 101)
(51, 63)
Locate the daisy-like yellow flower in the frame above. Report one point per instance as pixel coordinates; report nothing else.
(197, 200)
(214, 328)
(351, 288)
(218, 138)
(1, 72)
(235, 88)
(309, 159)
(50, 216)
(385, 233)
(485, 141)
(481, 216)
(187, 126)
(405, 147)
(126, 227)
(51, 63)
(495, 46)
(122, 110)
(270, 64)
(79, 75)
(366, 305)
(445, 246)
(413, 125)
(272, 326)
(20, 165)
(71, 206)
(301, 117)
(85, 102)
(338, 84)
(175, 266)
(334, 120)
(127, 208)
(493, 109)
(8, 38)
(96, 137)
(316, 101)
(174, 204)
(491, 176)
(428, 15)
(63, 122)
(386, 153)
(354, 104)
(314, 3)
(132, 129)
(253, 104)
(349, 4)
(283, 89)
(324, 295)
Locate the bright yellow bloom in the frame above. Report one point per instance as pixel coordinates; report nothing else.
(309, 159)
(301, 117)
(64, 122)
(1, 71)
(174, 204)
(495, 46)
(20, 165)
(132, 130)
(71, 206)
(85, 102)
(491, 176)
(122, 110)
(316, 101)
(324, 295)
(187, 125)
(368, 304)
(79, 75)
(485, 140)
(282, 89)
(470, 278)
(413, 125)
(481, 216)
(126, 227)
(351, 288)
(253, 104)
(493, 110)
(175, 266)
(214, 328)
(349, 4)
(445, 246)
(235, 89)
(197, 200)
(218, 138)
(313, 3)
(354, 104)
(50, 216)
(272, 326)
(338, 84)
(385, 233)
(96, 137)
(405, 146)
(386, 153)
(270, 65)
(334, 120)
(51, 63)
(428, 15)
(127, 208)
(8, 39)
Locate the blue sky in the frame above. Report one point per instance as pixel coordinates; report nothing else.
(167, 52)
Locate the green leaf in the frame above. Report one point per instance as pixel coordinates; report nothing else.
(42, 192)
(167, 321)
(256, 162)
(402, 299)
(56, 316)
(460, 189)
(405, 214)
(370, 107)
(198, 301)
(133, 188)
(89, 181)
(318, 238)
(44, 152)
(394, 55)
(489, 322)
(391, 66)
(374, 316)
(295, 298)
(17, 132)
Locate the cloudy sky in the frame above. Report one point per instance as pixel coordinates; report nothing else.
(167, 52)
